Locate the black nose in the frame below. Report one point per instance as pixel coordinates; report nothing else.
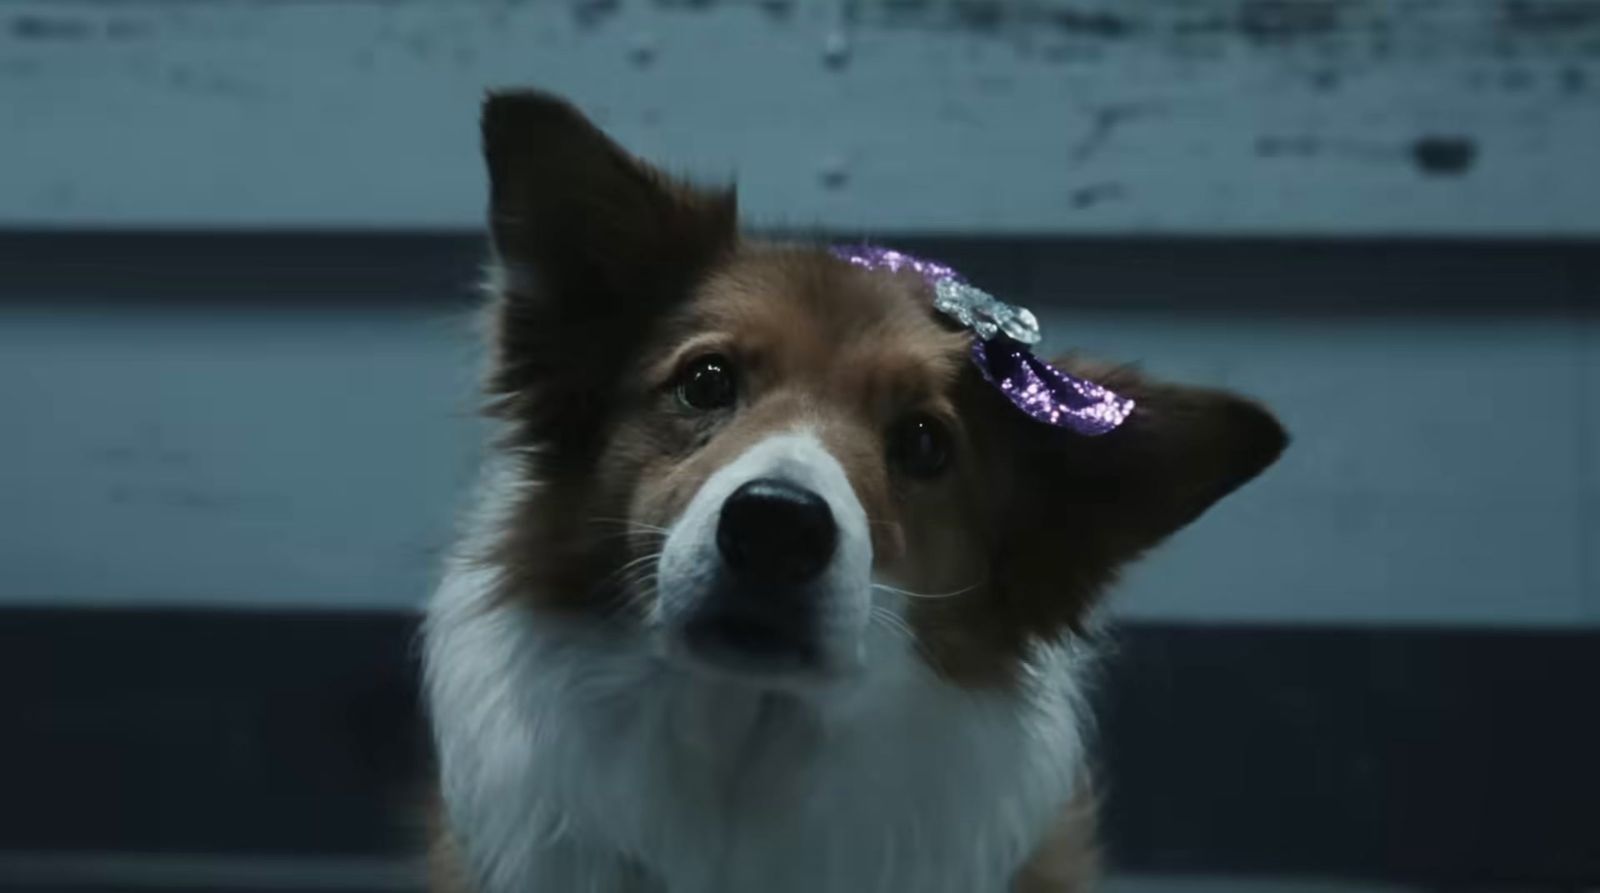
(776, 531)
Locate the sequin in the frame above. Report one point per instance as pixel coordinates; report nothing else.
(952, 295)
(1045, 392)
(1001, 350)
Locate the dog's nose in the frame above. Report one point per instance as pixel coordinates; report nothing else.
(776, 531)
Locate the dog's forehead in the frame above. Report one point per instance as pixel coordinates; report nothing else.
(807, 308)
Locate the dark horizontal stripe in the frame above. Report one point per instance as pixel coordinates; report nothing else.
(88, 872)
(1439, 757)
(1408, 276)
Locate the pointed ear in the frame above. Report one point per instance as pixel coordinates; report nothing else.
(1072, 509)
(573, 210)
(1181, 450)
(592, 247)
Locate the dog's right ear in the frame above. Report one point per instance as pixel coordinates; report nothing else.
(592, 246)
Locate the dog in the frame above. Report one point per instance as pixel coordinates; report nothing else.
(772, 586)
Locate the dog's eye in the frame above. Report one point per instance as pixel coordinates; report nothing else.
(919, 445)
(708, 383)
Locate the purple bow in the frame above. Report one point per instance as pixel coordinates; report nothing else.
(1001, 349)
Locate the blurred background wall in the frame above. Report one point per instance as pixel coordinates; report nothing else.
(206, 419)
(239, 242)
(997, 116)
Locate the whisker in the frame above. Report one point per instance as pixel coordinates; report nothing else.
(889, 619)
(642, 559)
(621, 574)
(634, 591)
(898, 626)
(628, 529)
(639, 562)
(926, 595)
(637, 595)
(629, 522)
(643, 536)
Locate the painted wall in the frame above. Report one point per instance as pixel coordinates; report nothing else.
(1178, 116)
(314, 451)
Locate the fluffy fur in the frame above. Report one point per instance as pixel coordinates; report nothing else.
(937, 741)
(572, 760)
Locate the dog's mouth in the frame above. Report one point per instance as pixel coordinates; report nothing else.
(778, 638)
(733, 639)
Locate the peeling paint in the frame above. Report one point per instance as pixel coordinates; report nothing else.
(1146, 112)
(1549, 16)
(1285, 20)
(1086, 197)
(1432, 155)
(1350, 30)
(834, 173)
(1090, 22)
(1444, 156)
(43, 27)
(1104, 122)
(590, 13)
(979, 15)
(780, 10)
(642, 50)
(836, 50)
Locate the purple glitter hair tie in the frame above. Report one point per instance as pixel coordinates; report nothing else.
(1001, 350)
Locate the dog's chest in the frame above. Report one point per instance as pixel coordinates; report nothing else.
(565, 764)
(773, 801)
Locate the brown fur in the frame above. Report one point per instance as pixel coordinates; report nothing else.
(617, 275)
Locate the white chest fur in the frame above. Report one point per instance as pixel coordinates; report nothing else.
(574, 760)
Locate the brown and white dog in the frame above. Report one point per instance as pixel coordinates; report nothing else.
(769, 590)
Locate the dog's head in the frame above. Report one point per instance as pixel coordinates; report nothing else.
(758, 457)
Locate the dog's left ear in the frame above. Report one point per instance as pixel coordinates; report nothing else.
(1181, 450)
(1076, 508)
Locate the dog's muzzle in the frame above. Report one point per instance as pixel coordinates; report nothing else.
(775, 538)
(768, 571)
